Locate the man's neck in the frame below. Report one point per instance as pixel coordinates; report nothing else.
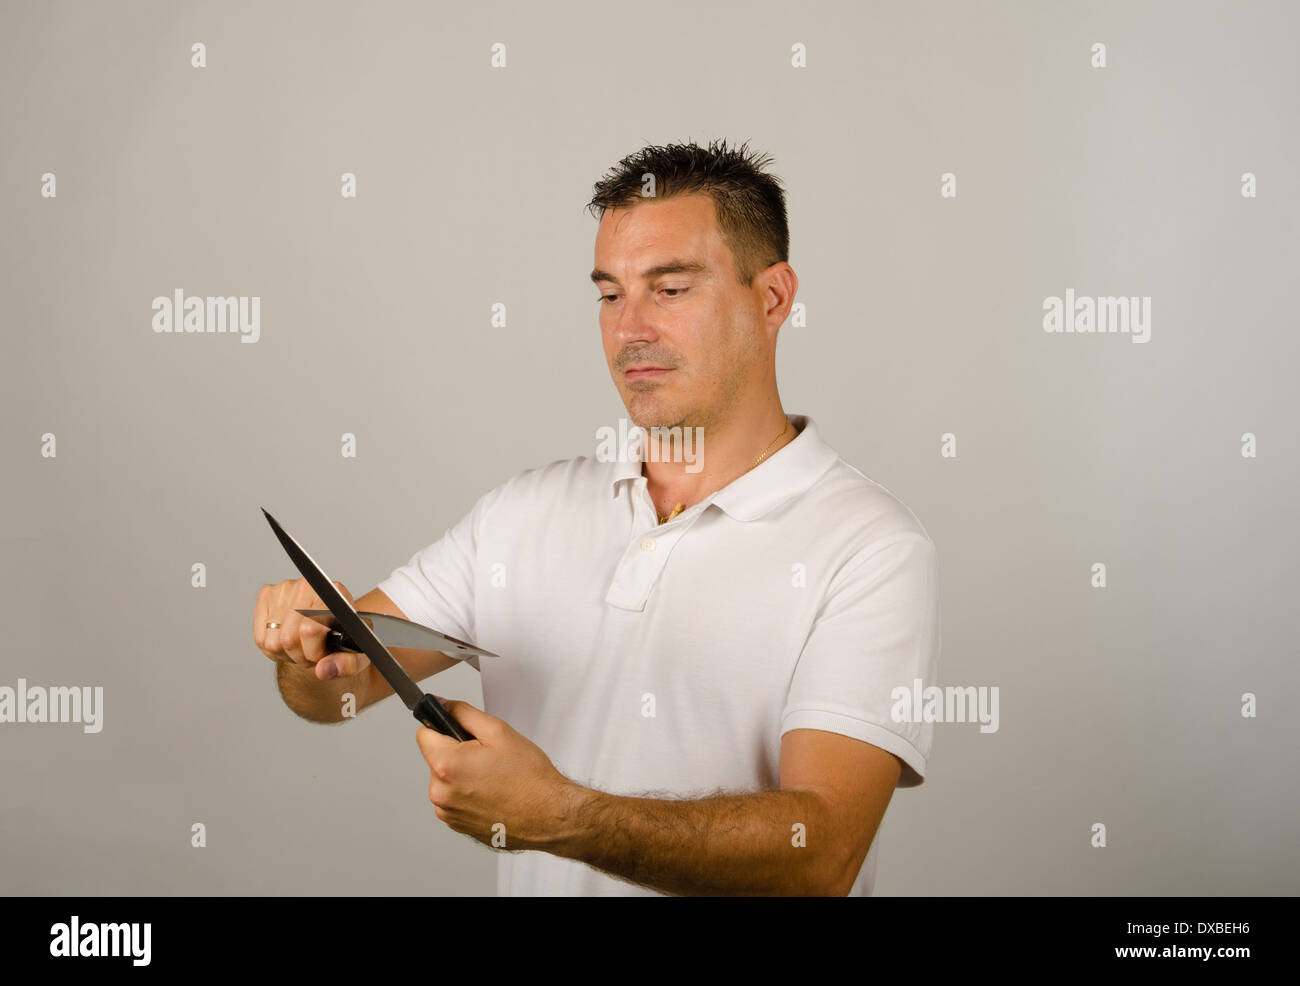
(724, 454)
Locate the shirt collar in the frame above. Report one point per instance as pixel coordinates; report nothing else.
(781, 476)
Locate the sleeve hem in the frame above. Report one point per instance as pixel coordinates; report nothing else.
(869, 732)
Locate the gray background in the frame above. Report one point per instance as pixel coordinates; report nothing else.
(1119, 705)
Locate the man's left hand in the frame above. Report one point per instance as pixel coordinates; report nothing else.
(499, 778)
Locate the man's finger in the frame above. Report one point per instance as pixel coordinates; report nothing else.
(475, 720)
(432, 743)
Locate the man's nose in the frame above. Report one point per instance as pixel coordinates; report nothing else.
(634, 321)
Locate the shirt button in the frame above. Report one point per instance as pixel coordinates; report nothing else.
(647, 544)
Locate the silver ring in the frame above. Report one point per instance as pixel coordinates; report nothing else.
(273, 625)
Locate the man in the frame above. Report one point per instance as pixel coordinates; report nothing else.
(693, 693)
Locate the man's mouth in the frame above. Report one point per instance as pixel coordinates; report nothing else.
(646, 371)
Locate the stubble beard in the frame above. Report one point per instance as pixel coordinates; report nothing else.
(705, 416)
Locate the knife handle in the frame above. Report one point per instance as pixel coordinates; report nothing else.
(337, 640)
(430, 712)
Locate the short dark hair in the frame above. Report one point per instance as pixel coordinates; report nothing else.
(749, 202)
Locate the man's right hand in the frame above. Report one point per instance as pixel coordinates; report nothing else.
(299, 639)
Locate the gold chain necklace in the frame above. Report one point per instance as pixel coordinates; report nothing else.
(678, 509)
(770, 444)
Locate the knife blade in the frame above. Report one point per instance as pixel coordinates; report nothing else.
(426, 709)
(393, 631)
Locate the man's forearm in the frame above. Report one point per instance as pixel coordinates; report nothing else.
(771, 842)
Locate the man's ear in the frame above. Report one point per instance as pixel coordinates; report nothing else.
(781, 284)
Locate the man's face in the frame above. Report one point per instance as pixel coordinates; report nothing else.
(682, 344)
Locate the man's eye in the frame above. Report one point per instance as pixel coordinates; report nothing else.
(671, 292)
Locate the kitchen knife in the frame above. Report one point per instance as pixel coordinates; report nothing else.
(426, 709)
(393, 631)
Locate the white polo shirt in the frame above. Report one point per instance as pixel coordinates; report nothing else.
(668, 660)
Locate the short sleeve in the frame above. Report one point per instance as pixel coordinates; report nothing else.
(877, 631)
(436, 587)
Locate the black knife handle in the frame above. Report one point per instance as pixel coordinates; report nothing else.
(337, 640)
(430, 712)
